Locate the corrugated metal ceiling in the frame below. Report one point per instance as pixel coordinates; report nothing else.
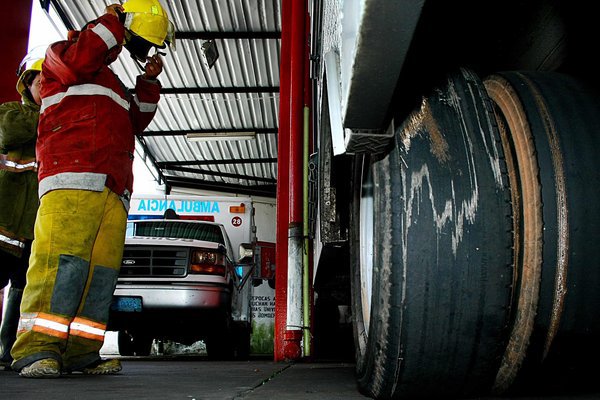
(240, 93)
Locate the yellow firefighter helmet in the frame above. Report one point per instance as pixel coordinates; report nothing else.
(27, 72)
(147, 19)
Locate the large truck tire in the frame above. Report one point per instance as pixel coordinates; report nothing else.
(431, 251)
(550, 124)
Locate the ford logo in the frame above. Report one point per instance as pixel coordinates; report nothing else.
(128, 262)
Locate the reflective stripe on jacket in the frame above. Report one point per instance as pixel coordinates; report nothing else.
(88, 119)
(17, 166)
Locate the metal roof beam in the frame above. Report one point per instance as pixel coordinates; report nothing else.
(227, 35)
(168, 164)
(255, 190)
(152, 158)
(221, 90)
(59, 10)
(258, 131)
(221, 174)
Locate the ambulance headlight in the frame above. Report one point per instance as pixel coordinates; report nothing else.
(207, 262)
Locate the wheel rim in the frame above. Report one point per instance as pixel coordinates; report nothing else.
(366, 245)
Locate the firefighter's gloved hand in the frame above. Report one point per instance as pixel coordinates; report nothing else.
(115, 9)
(153, 67)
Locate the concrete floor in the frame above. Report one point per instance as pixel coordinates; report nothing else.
(194, 377)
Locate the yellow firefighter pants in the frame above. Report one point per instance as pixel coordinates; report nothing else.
(73, 269)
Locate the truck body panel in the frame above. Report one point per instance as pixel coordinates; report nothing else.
(458, 287)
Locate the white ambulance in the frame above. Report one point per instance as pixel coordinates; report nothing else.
(186, 275)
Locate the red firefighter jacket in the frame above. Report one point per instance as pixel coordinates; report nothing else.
(88, 120)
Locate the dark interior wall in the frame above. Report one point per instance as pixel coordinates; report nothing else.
(14, 30)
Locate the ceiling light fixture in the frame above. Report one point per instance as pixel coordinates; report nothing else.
(209, 53)
(233, 135)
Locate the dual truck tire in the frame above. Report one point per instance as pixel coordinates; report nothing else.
(473, 241)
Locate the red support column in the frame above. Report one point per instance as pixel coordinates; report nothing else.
(293, 335)
(281, 246)
(289, 168)
(14, 31)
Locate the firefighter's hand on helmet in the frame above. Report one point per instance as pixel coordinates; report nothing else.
(153, 67)
(114, 9)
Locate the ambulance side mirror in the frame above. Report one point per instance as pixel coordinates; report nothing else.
(246, 253)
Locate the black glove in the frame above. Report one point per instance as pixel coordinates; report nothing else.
(121, 16)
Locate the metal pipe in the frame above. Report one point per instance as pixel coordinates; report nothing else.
(294, 323)
(305, 253)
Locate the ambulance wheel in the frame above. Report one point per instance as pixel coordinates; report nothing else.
(142, 345)
(134, 344)
(242, 341)
(220, 347)
(220, 342)
(125, 342)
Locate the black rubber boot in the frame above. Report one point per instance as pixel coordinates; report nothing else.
(10, 322)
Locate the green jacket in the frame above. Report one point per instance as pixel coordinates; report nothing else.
(18, 173)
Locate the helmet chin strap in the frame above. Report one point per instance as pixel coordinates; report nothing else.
(137, 46)
(138, 63)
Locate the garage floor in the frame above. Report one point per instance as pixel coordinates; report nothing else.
(194, 377)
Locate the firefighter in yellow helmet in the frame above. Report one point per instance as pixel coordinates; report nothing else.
(86, 139)
(18, 194)
(146, 26)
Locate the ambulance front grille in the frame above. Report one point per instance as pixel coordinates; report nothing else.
(147, 261)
